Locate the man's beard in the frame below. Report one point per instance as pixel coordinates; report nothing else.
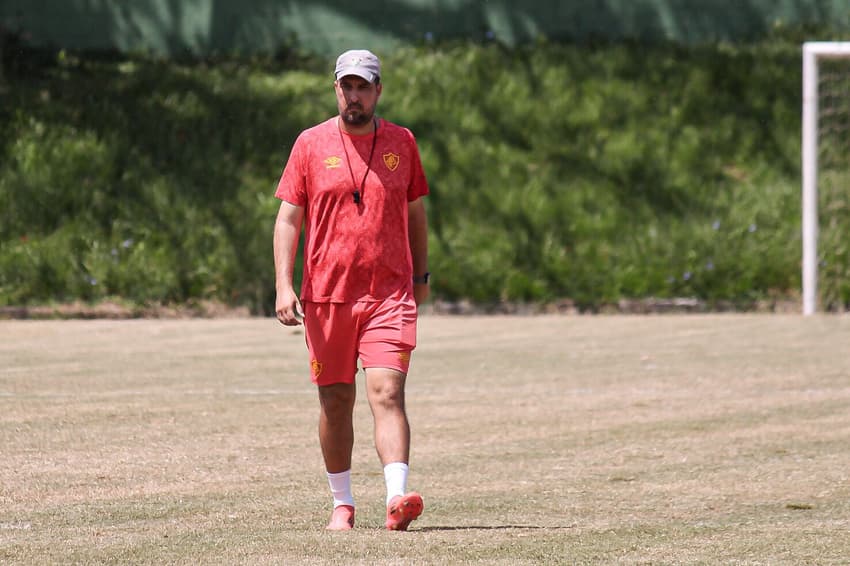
(356, 116)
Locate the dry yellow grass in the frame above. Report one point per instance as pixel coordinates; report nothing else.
(536, 440)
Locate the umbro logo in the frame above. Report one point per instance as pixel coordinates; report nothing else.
(332, 162)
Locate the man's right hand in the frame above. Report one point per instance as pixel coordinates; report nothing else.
(288, 309)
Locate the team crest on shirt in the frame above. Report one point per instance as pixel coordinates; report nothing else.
(332, 162)
(391, 160)
(316, 367)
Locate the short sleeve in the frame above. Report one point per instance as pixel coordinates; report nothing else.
(418, 186)
(292, 186)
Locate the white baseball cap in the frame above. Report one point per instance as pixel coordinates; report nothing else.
(360, 62)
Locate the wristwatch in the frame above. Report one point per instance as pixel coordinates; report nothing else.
(422, 278)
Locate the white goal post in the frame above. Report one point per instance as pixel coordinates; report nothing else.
(813, 53)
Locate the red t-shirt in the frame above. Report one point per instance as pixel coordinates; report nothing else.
(354, 252)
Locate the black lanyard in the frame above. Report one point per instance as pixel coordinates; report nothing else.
(358, 192)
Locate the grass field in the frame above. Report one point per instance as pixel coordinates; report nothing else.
(721, 439)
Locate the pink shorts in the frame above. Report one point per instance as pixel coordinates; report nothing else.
(381, 333)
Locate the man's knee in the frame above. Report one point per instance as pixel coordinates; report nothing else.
(386, 388)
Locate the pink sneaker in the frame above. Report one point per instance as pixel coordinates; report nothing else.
(342, 519)
(402, 510)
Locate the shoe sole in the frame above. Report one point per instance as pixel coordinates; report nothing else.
(404, 511)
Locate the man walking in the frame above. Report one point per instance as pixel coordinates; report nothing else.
(355, 182)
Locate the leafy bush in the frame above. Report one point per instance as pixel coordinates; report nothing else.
(595, 173)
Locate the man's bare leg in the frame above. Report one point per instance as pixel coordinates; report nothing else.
(336, 437)
(385, 390)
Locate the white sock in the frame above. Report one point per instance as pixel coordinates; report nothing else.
(341, 488)
(395, 474)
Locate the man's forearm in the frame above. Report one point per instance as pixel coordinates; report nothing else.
(418, 236)
(286, 233)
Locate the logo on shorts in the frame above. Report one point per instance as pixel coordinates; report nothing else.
(332, 162)
(316, 368)
(404, 357)
(391, 160)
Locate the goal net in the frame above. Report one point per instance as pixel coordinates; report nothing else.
(826, 176)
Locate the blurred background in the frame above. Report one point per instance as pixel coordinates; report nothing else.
(326, 27)
(583, 156)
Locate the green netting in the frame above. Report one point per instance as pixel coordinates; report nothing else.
(834, 181)
(326, 27)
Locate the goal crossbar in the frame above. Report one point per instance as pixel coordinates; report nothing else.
(813, 52)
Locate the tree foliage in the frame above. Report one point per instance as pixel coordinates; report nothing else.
(589, 172)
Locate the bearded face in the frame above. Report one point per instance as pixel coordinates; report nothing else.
(356, 115)
(356, 100)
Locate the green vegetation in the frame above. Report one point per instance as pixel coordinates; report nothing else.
(588, 172)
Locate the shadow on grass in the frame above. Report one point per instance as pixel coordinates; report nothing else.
(495, 528)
